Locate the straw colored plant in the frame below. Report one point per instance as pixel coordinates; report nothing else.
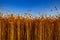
(29, 28)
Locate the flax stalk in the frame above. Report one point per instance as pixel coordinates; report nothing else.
(0, 29)
(18, 27)
(27, 29)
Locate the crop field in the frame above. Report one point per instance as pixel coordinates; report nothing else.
(29, 28)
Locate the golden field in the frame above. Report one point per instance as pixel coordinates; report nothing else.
(29, 28)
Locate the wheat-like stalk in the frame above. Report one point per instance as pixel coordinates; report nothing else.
(29, 28)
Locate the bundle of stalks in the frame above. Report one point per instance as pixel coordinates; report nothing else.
(0, 26)
(11, 27)
(18, 28)
(57, 32)
(29, 28)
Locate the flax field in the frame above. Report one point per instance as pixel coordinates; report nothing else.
(29, 28)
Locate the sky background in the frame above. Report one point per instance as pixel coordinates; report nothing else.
(38, 7)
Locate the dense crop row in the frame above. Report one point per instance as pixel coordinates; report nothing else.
(28, 28)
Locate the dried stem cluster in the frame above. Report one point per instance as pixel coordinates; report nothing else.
(29, 28)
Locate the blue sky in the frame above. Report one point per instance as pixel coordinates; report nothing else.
(37, 6)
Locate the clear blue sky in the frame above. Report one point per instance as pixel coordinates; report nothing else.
(37, 6)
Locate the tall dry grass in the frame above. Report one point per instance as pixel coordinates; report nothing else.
(21, 28)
